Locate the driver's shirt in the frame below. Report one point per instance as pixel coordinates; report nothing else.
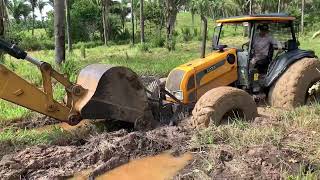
(261, 45)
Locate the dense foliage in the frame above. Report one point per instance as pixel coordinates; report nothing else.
(87, 24)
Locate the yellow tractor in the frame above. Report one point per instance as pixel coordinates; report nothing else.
(221, 86)
(226, 85)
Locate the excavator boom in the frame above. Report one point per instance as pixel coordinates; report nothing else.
(101, 92)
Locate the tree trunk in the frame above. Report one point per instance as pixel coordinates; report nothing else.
(279, 6)
(33, 20)
(171, 16)
(2, 26)
(105, 13)
(192, 14)
(132, 21)
(42, 21)
(59, 31)
(302, 16)
(250, 7)
(204, 36)
(68, 25)
(142, 21)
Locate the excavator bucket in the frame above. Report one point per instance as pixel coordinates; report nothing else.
(114, 93)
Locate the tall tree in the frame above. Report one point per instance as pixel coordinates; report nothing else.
(68, 20)
(33, 6)
(250, 6)
(105, 20)
(59, 31)
(204, 9)
(142, 21)
(132, 21)
(41, 5)
(172, 9)
(192, 8)
(302, 16)
(2, 25)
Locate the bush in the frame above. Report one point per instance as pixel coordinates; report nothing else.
(144, 47)
(90, 44)
(186, 34)
(195, 32)
(35, 44)
(157, 41)
(171, 46)
(71, 68)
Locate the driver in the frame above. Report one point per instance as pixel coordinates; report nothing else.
(261, 46)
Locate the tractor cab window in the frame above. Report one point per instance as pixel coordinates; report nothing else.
(280, 32)
(232, 35)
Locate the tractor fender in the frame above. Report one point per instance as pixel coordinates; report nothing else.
(282, 63)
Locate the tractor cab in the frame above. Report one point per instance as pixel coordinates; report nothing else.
(259, 40)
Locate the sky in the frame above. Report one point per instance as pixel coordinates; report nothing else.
(46, 9)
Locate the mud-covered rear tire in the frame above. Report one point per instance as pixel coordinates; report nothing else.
(291, 89)
(222, 103)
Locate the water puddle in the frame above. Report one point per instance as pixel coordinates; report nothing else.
(160, 167)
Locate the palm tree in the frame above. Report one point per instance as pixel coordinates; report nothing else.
(18, 9)
(34, 4)
(41, 5)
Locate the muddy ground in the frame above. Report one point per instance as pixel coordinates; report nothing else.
(103, 152)
(100, 153)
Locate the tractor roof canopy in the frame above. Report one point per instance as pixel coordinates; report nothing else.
(258, 17)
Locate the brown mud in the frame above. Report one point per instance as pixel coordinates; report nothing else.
(34, 121)
(100, 153)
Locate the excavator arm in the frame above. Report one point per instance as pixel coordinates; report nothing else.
(19, 91)
(101, 92)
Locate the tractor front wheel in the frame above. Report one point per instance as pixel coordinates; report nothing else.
(221, 104)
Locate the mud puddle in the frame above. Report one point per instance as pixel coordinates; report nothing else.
(159, 167)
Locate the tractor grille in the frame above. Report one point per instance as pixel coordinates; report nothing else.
(174, 80)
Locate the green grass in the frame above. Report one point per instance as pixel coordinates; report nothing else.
(297, 131)
(9, 111)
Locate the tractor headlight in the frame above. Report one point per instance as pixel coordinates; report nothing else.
(178, 95)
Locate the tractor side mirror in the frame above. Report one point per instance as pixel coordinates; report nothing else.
(221, 47)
